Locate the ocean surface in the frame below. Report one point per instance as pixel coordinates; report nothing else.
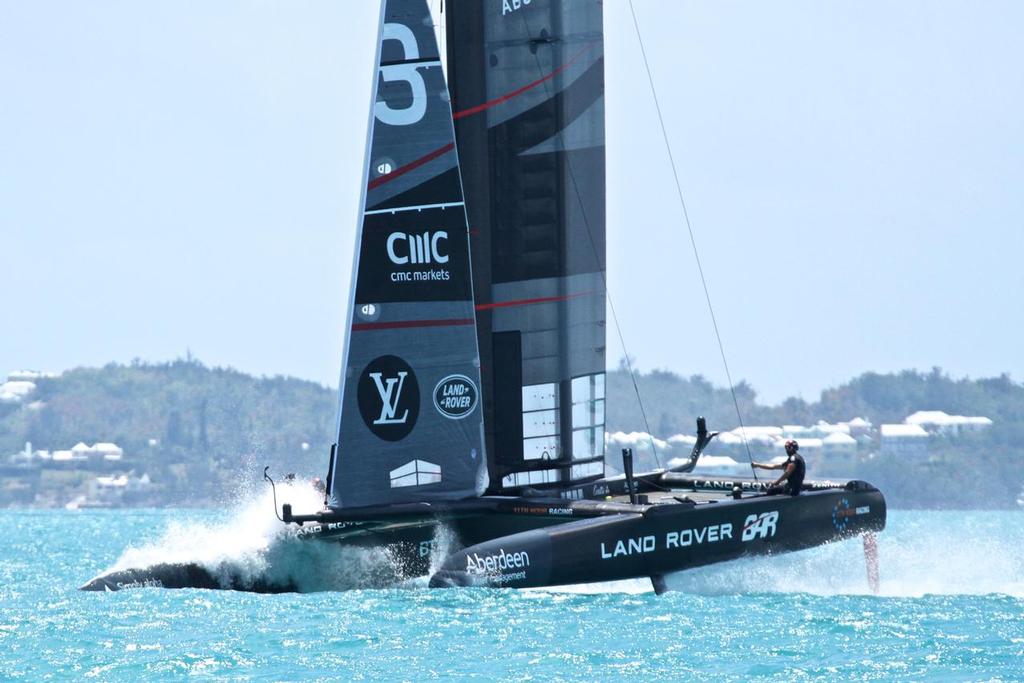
(951, 608)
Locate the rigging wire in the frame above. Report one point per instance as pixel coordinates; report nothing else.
(693, 240)
(604, 278)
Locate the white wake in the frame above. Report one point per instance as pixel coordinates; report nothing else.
(250, 545)
(920, 553)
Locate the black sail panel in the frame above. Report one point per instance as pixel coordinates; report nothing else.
(527, 84)
(410, 424)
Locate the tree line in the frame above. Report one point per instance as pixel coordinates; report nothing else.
(202, 430)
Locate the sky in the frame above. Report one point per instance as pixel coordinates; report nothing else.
(184, 176)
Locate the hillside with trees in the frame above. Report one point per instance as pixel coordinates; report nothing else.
(200, 432)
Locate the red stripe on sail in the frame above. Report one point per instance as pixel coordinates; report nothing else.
(528, 302)
(406, 324)
(412, 165)
(519, 91)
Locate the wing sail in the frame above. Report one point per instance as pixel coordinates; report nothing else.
(410, 425)
(527, 82)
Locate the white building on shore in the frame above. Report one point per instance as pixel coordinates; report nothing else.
(20, 384)
(101, 454)
(838, 444)
(903, 441)
(940, 422)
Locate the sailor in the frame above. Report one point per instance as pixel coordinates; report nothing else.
(792, 478)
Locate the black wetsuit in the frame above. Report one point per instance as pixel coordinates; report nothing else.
(792, 486)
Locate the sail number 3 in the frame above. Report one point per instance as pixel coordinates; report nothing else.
(404, 72)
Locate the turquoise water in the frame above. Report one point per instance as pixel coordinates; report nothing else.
(952, 608)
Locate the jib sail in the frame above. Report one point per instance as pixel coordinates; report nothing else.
(527, 83)
(410, 424)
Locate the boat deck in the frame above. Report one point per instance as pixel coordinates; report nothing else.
(699, 489)
(680, 496)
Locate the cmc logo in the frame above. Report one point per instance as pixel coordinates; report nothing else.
(389, 397)
(455, 396)
(404, 248)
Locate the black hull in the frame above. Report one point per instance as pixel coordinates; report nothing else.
(663, 539)
(521, 542)
(181, 575)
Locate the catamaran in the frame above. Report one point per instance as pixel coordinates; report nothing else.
(472, 393)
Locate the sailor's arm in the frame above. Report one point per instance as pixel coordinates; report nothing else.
(767, 466)
(785, 475)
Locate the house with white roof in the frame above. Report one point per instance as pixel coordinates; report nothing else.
(839, 445)
(30, 375)
(762, 430)
(908, 441)
(858, 426)
(14, 391)
(940, 422)
(110, 452)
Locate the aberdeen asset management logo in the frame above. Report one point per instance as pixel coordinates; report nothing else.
(455, 396)
(389, 397)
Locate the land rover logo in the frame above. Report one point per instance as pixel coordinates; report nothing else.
(389, 397)
(455, 396)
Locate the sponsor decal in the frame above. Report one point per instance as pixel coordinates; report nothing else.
(314, 529)
(841, 514)
(674, 540)
(541, 510)
(725, 485)
(630, 546)
(141, 583)
(384, 166)
(415, 473)
(455, 396)
(389, 398)
(404, 248)
(420, 249)
(414, 256)
(509, 6)
(427, 548)
(761, 525)
(497, 567)
(368, 312)
(707, 534)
